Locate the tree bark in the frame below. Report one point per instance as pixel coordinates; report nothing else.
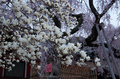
(94, 34)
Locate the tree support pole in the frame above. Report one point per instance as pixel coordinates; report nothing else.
(111, 52)
(108, 61)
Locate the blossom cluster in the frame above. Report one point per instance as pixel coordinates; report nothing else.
(25, 25)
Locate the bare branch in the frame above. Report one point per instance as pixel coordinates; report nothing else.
(93, 9)
(107, 7)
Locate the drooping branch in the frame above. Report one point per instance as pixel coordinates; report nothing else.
(107, 7)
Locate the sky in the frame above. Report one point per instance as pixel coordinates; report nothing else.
(114, 19)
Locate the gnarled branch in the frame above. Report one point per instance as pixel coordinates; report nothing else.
(80, 21)
(91, 38)
(93, 9)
